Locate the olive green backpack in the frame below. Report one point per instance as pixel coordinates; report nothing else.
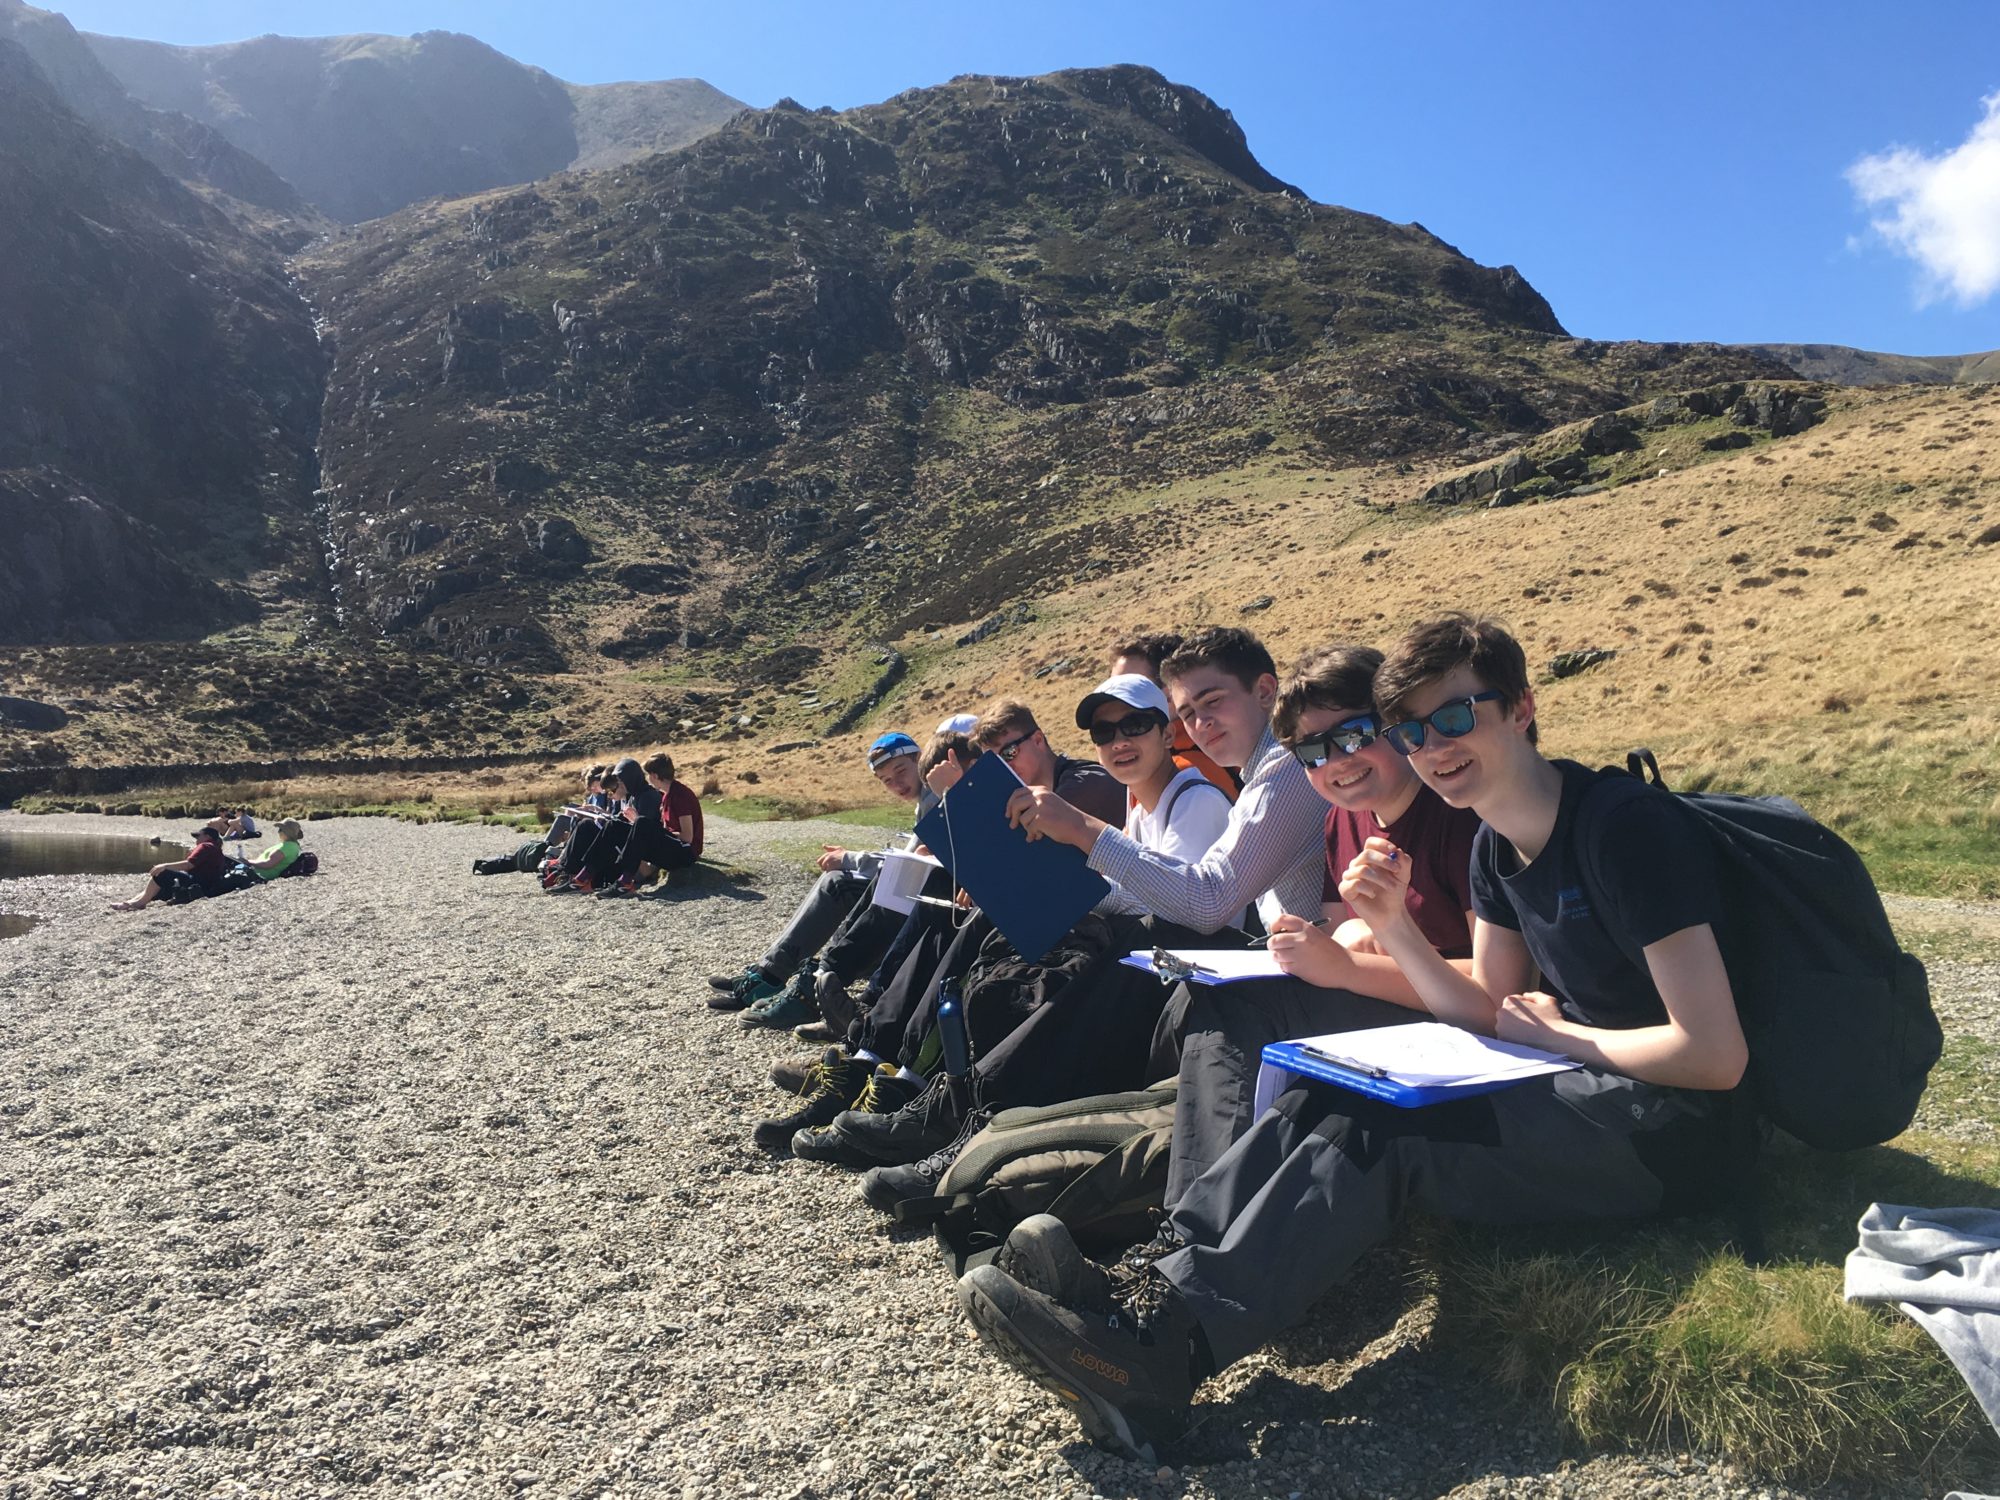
(1098, 1164)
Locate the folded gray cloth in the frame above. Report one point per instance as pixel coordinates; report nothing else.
(1942, 1267)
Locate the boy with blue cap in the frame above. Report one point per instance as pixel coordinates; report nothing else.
(843, 885)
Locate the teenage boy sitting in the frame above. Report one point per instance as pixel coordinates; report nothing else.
(1141, 655)
(1215, 1034)
(672, 841)
(1564, 882)
(844, 882)
(894, 1120)
(815, 1005)
(1222, 683)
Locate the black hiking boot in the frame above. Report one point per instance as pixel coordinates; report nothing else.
(1041, 1255)
(1128, 1374)
(831, 1084)
(910, 1134)
(885, 1092)
(886, 1187)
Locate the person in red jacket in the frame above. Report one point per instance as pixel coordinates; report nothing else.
(200, 874)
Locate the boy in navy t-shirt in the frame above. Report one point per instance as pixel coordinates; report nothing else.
(1610, 897)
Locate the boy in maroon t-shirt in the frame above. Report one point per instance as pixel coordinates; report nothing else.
(1341, 980)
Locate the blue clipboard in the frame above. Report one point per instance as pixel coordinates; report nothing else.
(1033, 892)
(1292, 1058)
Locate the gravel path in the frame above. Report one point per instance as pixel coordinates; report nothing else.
(403, 1179)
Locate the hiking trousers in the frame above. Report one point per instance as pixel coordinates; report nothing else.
(1213, 1037)
(651, 843)
(1325, 1174)
(828, 904)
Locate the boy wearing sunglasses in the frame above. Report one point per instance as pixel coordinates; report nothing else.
(1222, 683)
(1611, 899)
(1215, 1034)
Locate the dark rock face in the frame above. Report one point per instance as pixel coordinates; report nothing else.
(365, 125)
(747, 342)
(26, 713)
(159, 388)
(76, 569)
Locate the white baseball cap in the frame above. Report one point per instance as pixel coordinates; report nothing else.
(1128, 688)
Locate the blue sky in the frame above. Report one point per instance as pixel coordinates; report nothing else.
(1660, 172)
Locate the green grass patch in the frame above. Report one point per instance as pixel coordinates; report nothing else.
(768, 809)
(1661, 1340)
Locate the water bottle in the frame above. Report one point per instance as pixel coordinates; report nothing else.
(951, 1030)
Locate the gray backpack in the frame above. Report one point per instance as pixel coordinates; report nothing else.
(1098, 1164)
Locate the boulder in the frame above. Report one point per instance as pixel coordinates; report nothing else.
(556, 539)
(26, 713)
(1569, 663)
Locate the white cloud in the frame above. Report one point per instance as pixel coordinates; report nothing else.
(1943, 211)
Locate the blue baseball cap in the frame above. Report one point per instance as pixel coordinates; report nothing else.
(888, 748)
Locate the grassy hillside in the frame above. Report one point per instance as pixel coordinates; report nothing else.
(1813, 615)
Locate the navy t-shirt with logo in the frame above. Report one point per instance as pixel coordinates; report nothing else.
(1656, 875)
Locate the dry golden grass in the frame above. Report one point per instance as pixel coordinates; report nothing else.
(1812, 611)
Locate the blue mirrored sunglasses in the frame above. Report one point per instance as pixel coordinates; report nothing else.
(1449, 719)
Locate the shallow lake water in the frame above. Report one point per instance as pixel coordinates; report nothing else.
(45, 847)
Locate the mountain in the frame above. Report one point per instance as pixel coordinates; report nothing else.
(1845, 366)
(617, 122)
(159, 390)
(825, 376)
(364, 125)
(172, 142)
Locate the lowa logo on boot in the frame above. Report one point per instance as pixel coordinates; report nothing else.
(1098, 1366)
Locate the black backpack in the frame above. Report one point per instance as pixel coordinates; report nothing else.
(1837, 1016)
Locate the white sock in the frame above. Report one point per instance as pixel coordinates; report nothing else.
(866, 1056)
(910, 1073)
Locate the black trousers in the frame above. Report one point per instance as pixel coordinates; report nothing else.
(929, 934)
(1092, 1036)
(1212, 1037)
(1325, 1174)
(651, 842)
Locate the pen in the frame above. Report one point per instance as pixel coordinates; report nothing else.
(1265, 940)
(1366, 1070)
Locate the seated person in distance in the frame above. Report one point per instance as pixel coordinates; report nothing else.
(200, 874)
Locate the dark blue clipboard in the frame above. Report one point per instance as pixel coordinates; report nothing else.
(1033, 892)
(1294, 1058)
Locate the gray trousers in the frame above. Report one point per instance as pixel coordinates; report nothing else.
(1325, 1174)
(826, 906)
(1213, 1036)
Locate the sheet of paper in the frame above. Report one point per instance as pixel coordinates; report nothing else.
(1430, 1052)
(1219, 965)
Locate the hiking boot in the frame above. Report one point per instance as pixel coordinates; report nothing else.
(887, 1187)
(750, 987)
(623, 889)
(791, 1006)
(910, 1134)
(885, 1092)
(818, 1031)
(791, 1073)
(1129, 1375)
(833, 1083)
(1041, 1255)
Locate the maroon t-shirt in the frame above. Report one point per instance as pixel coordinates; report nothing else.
(1437, 837)
(681, 803)
(207, 863)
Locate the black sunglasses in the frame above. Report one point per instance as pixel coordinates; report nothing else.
(1104, 731)
(1012, 748)
(1449, 719)
(1349, 737)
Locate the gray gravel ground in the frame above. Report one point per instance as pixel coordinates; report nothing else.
(402, 1180)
